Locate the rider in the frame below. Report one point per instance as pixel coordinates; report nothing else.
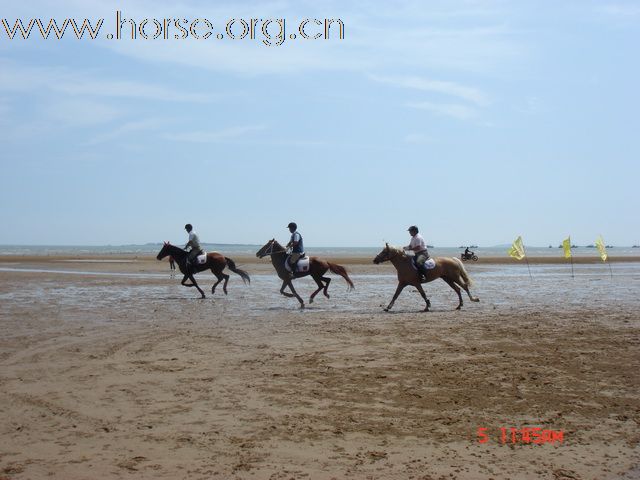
(419, 248)
(467, 253)
(194, 243)
(296, 245)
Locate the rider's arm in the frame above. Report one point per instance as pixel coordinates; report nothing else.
(293, 243)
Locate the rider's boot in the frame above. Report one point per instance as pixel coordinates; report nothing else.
(422, 274)
(293, 268)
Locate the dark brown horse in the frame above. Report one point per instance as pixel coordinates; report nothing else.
(215, 262)
(317, 268)
(450, 270)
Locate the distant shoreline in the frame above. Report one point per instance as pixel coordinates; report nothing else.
(347, 259)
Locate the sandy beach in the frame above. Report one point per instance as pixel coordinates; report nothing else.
(111, 369)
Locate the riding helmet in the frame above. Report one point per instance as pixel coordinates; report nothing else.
(188, 227)
(292, 225)
(413, 227)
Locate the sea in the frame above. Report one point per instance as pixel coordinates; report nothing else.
(250, 250)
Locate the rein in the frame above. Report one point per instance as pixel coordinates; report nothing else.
(272, 252)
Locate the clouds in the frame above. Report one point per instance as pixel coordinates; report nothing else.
(214, 136)
(471, 94)
(458, 111)
(474, 97)
(18, 77)
(52, 99)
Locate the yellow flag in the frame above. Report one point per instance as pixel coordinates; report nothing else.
(517, 249)
(601, 248)
(566, 246)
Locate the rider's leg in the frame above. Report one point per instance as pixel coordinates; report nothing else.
(420, 259)
(191, 259)
(293, 260)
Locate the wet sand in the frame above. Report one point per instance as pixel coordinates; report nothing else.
(113, 370)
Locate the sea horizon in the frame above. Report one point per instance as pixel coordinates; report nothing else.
(152, 248)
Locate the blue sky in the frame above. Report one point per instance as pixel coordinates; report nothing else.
(476, 120)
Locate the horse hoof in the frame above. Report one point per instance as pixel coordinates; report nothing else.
(386, 309)
(459, 307)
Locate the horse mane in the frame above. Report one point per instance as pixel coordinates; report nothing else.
(175, 248)
(396, 250)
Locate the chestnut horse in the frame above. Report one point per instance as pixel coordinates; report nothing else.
(450, 270)
(317, 268)
(215, 261)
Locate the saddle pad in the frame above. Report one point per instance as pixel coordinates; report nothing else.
(301, 266)
(430, 264)
(201, 259)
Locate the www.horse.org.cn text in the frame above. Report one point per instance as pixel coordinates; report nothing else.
(268, 31)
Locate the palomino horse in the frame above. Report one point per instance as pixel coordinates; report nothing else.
(317, 268)
(215, 261)
(450, 270)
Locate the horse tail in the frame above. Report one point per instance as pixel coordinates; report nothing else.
(340, 270)
(232, 266)
(463, 272)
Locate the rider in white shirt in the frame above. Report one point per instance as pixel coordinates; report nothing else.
(194, 243)
(419, 248)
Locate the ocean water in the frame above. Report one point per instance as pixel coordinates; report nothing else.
(244, 250)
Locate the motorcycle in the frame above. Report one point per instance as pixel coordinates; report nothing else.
(468, 256)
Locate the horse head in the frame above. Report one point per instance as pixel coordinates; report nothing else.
(383, 256)
(164, 251)
(387, 253)
(269, 248)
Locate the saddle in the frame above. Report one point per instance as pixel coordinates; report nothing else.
(199, 260)
(301, 266)
(428, 265)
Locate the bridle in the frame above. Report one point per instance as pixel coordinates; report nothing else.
(388, 255)
(270, 250)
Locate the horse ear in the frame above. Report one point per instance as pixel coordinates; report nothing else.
(387, 244)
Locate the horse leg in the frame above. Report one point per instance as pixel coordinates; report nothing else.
(284, 285)
(466, 289)
(226, 280)
(327, 280)
(397, 294)
(320, 287)
(193, 283)
(453, 285)
(220, 278)
(295, 294)
(424, 296)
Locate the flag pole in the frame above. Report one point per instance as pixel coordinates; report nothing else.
(571, 258)
(527, 260)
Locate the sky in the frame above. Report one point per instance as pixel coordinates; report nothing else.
(478, 121)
